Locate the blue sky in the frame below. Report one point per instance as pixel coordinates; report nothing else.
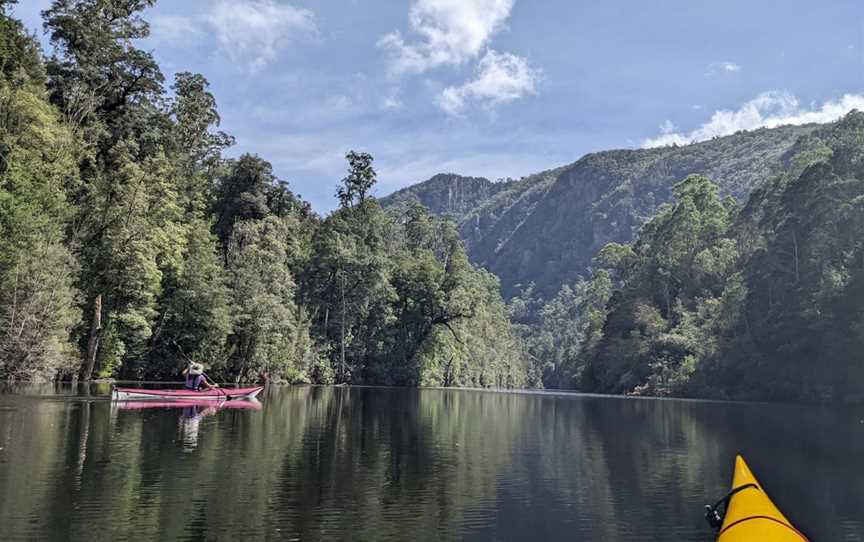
(500, 88)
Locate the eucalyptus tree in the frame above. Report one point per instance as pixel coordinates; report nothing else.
(361, 178)
(38, 300)
(197, 143)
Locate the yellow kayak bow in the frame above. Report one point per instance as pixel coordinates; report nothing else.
(750, 514)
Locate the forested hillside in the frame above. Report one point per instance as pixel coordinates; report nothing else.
(760, 300)
(130, 245)
(545, 229)
(730, 268)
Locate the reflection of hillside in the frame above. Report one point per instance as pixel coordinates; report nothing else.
(656, 450)
(365, 464)
(368, 463)
(397, 464)
(628, 466)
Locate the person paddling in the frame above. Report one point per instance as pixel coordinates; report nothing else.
(196, 380)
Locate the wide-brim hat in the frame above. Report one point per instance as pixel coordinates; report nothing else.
(196, 369)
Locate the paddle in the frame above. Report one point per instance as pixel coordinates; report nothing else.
(224, 394)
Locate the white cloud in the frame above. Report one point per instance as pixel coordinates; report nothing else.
(720, 68)
(254, 31)
(249, 32)
(667, 127)
(501, 78)
(451, 33)
(455, 33)
(769, 109)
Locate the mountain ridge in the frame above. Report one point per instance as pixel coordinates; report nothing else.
(544, 229)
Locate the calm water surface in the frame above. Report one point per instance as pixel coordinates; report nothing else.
(393, 464)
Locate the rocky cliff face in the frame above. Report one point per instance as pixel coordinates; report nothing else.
(545, 229)
(447, 194)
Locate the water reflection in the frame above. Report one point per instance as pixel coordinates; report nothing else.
(372, 464)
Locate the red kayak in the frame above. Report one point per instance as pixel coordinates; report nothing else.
(218, 394)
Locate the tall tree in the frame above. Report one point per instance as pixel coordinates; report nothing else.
(196, 144)
(97, 76)
(127, 201)
(348, 282)
(195, 311)
(271, 332)
(242, 194)
(37, 271)
(361, 178)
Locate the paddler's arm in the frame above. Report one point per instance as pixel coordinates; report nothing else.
(209, 382)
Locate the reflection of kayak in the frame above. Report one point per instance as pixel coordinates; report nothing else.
(248, 404)
(218, 394)
(750, 514)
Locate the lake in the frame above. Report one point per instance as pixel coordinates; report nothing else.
(320, 463)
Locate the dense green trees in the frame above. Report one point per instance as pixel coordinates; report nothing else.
(765, 302)
(38, 299)
(126, 203)
(800, 322)
(716, 299)
(554, 332)
(271, 332)
(129, 245)
(394, 294)
(659, 322)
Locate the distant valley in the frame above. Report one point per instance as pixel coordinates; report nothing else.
(546, 228)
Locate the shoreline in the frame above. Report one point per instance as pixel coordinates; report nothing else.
(6, 385)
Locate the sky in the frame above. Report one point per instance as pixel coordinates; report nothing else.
(499, 88)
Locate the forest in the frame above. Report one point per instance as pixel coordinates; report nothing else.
(131, 244)
(759, 300)
(132, 241)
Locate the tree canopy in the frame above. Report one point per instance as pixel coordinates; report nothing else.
(131, 245)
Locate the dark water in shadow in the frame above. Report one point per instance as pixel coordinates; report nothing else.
(392, 464)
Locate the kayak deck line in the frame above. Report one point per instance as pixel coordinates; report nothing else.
(742, 520)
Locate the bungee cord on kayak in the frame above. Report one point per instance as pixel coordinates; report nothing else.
(712, 512)
(749, 515)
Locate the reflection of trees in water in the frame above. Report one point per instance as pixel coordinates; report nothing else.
(33, 437)
(398, 463)
(56, 454)
(403, 464)
(652, 453)
(415, 465)
(642, 469)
